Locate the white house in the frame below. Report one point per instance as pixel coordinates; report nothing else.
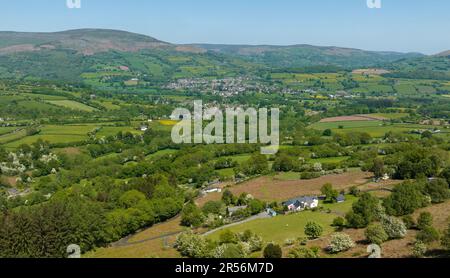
(302, 203)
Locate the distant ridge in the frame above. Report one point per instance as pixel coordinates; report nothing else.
(85, 41)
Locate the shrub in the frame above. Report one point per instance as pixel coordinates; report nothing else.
(409, 221)
(227, 236)
(304, 253)
(428, 235)
(437, 190)
(339, 222)
(419, 249)
(192, 246)
(272, 251)
(425, 220)
(394, 227)
(446, 238)
(313, 230)
(340, 242)
(376, 234)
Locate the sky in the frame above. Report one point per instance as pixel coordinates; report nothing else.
(399, 25)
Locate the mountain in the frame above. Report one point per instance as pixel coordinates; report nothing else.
(443, 54)
(84, 41)
(99, 56)
(308, 55)
(429, 67)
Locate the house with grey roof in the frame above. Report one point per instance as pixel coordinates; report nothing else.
(302, 203)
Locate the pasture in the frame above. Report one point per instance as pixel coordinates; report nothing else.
(72, 105)
(282, 227)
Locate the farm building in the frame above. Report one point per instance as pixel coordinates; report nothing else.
(340, 198)
(302, 203)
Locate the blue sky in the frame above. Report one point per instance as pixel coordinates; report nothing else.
(400, 25)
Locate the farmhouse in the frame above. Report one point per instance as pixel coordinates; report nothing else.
(302, 203)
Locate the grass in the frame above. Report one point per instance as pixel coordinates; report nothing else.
(161, 153)
(373, 128)
(341, 208)
(72, 105)
(287, 176)
(280, 228)
(329, 159)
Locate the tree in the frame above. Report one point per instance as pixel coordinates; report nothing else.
(438, 190)
(228, 198)
(313, 230)
(425, 220)
(327, 132)
(131, 198)
(227, 236)
(376, 234)
(378, 168)
(191, 216)
(272, 251)
(213, 207)
(192, 246)
(340, 242)
(405, 199)
(330, 194)
(283, 163)
(394, 227)
(363, 211)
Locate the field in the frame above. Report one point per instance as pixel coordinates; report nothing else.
(285, 186)
(374, 128)
(72, 105)
(150, 243)
(280, 228)
(401, 248)
(60, 134)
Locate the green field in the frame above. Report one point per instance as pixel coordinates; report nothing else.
(374, 128)
(72, 105)
(280, 228)
(329, 159)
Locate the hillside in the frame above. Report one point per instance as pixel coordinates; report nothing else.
(97, 56)
(308, 55)
(85, 41)
(430, 67)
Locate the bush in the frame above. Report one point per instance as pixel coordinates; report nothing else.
(273, 251)
(227, 236)
(394, 227)
(419, 249)
(446, 238)
(192, 246)
(313, 230)
(425, 220)
(437, 190)
(340, 242)
(339, 222)
(304, 253)
(409, 221)
(428, 235)
(191, 216)
(376, 234)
